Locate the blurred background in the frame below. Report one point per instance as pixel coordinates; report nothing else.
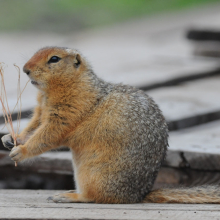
(169, 48)
(68, 16)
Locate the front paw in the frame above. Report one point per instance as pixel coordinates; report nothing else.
(18, 153)
(20, 140)
(8, 141)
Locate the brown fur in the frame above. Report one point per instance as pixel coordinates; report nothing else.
(117, 134)
(200, 194)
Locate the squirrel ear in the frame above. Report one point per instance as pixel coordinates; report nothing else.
(77, 60)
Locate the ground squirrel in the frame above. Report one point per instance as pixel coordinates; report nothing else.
(117, 134)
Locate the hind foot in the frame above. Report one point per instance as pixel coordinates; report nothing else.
(68, 197)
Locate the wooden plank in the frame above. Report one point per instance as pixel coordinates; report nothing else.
(50, 162)
(200, 139)
(206, 41)
(181, 79)
(30, 204)
(79, 213)
(189, 99)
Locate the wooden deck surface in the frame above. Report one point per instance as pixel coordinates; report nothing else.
(33, 204)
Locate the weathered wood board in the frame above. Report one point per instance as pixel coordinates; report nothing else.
(30, 204)
(188, 99)
(199, 139)
(50, 162)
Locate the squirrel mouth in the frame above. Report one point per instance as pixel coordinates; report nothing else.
(34, 82)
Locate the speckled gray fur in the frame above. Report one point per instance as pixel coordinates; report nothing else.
(145, 132)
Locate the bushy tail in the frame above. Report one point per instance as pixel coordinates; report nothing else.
(200, 194)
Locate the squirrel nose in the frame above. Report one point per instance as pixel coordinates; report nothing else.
(27, 71)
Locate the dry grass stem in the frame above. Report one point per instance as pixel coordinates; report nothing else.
(5, 107)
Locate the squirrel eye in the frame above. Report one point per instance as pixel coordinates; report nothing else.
(54, 59)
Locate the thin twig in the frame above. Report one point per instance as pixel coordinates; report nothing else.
(5, 107)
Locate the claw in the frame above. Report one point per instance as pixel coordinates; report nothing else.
(50, 198)
(9, 144)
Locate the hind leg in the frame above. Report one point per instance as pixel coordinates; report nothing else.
(69, 197)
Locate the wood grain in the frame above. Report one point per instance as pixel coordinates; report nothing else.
(29, 204)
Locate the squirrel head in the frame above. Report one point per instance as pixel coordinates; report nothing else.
(54, 66)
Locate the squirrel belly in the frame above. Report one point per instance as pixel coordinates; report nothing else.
(117, 134)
